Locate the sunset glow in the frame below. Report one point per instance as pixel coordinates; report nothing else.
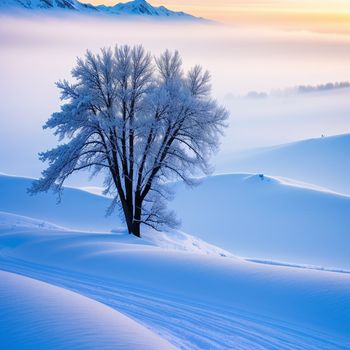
(321, 15)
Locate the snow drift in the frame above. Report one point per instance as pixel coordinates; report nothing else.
(77, 209)
(37, 315)
(321, 161)
(174, 239)
(194, 301)
(267, 217)
(248, 215)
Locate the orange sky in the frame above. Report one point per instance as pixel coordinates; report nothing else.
(321, 15)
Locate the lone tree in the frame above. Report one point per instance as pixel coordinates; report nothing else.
(138, 120)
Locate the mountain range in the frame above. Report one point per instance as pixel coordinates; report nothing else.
(131, 8)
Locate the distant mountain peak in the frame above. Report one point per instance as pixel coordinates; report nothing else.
(144, 8)
(131, 8)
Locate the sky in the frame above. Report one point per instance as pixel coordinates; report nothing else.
(317, 15)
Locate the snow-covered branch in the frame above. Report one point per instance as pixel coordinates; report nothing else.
(139, 121)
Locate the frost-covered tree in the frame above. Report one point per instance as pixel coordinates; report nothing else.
(138, 120)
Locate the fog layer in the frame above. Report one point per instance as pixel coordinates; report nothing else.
(35, 52)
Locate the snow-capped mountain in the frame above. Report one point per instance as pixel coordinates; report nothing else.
(140, 7)
(47, 4)
(131, 8)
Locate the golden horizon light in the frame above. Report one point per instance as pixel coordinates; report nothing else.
(318, 15)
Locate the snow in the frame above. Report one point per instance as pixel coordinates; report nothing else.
(188, 292)
(321, 161)
(77, 210)
(12, 220)
(178, 240)
(260, 216)
(193, 301)
(37, 315)
(81, 211)
(173, 239)
(263, 218)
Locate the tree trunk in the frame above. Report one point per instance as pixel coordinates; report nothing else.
(136, 230)
(133, 223)
(136, 226)
(129, 221)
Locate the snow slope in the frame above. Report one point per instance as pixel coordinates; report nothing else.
(173, 239)
(269, 218)
(80, 210)
(321, 161)
(77, 210)
(37, 315)
(193, 301)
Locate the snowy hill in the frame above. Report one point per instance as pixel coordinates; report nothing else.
(173, 240)
(268, 217)
(247, 215)
(132, 8)
(80, 210)
(321, 161)
(173, 290)
(193, 301)
(37, 315)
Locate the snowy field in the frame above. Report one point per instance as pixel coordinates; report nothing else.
(261, 260)
(321, 161)
(320, 217)
(184, 291)
(172, 290)
(37, 315)
(194, 301)
(268, 217)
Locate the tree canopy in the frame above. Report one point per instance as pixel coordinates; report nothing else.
(139, 121)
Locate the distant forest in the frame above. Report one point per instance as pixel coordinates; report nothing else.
(300, 89)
